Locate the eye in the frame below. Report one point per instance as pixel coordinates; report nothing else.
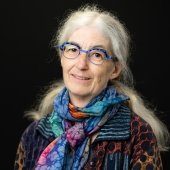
(71, 48)
(97, 55)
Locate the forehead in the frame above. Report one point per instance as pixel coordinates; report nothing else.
(89, 36)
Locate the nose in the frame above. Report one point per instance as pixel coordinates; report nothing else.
(82, 62)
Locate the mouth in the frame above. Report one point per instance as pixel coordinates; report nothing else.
(80, 77)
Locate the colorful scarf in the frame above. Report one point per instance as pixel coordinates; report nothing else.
(74, 132)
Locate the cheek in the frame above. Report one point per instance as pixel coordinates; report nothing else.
(104, 75)
(65, 70)
(65, 65)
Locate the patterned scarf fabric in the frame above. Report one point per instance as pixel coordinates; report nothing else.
(75, 133)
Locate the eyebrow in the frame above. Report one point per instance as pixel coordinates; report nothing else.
(96, 46)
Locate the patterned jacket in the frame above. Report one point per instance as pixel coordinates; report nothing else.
(125, 142)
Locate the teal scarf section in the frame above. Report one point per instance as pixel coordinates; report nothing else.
(96, 108)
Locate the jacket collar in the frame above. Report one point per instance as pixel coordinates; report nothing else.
(117, 128)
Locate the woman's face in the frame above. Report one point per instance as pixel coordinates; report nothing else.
(83, 79)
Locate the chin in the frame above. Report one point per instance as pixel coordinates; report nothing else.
(80, 92)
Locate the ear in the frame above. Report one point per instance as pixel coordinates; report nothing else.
(116, 70)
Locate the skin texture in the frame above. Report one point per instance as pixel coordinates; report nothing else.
(83, 79)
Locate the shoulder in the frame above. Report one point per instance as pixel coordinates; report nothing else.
(39, 129)
(139, 128)
(142, 132)
(30, 130)
(36, 134)
(138, 124)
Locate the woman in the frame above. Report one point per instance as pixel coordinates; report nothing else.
(95, 119)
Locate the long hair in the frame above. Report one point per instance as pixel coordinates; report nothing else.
(119, 37)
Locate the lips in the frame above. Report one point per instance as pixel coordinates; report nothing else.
(80, 77)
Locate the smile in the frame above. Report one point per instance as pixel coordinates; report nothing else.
(80, 77)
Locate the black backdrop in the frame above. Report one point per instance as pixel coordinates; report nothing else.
(28, 63)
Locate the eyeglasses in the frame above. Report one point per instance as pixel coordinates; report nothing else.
(95, 55)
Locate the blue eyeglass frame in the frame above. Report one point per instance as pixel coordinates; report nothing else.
(107, 57)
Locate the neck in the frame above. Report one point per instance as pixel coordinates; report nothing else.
(79, 101)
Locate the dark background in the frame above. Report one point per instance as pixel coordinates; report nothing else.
(28, 63)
